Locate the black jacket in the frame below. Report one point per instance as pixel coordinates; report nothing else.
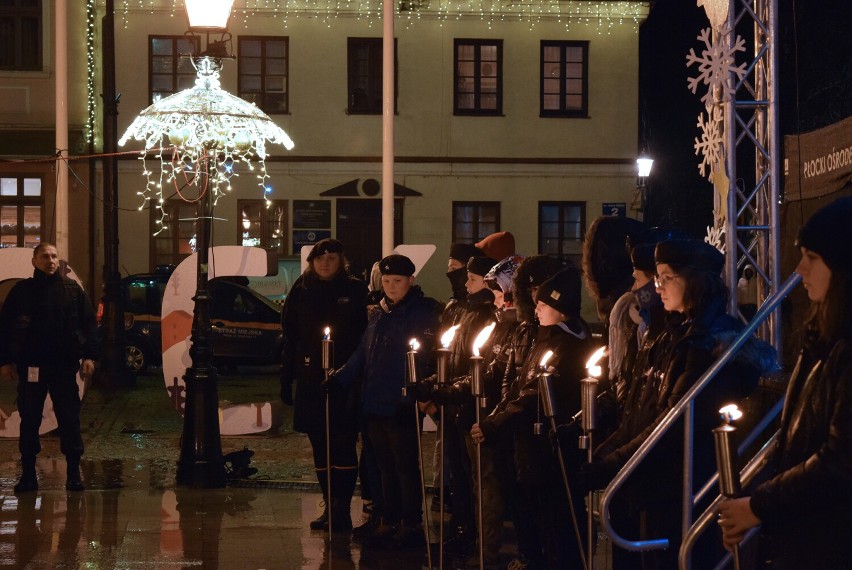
(679, 358)
(572, 345)
(47, 321)
(380, 358)
(806, 506)
(312, 305)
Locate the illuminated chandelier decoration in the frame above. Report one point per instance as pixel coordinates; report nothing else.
(200, 135)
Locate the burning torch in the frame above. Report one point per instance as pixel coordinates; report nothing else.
(327, 365)
(729, 477)
(548, 401)
(478, 392)
(443, 361)
(410, 379)
(588, 422)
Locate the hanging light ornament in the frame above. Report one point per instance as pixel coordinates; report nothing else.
(200, 134)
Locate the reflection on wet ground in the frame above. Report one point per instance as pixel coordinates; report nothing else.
(128, 519)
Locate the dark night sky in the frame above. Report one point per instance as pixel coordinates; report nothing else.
(817, 92)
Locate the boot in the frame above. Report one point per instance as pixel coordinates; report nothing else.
(29, 481)
(321, 522)
(73, 482)
(341, 516)
(367, 528)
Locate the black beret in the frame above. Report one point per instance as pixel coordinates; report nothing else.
(692, 253)
(396, 264)
(464, 251)
(562, 292)
(828, 232)
(323, 246)
(480, 265)
(641, 247)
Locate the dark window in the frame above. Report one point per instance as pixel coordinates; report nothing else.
(264, 72)
(561, 226)
(21, 211)
(365, 76)
(175, 239)
(472, 221)
(20, 35)
(168, 71)
(564, 79)
(478, 77)
(264, 227)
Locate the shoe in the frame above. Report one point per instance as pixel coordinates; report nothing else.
(341, 515)
(472, 562)
(517, 564)
(27, 484)
(406, 536)
(367, 528)
(379, 537)
(73, 481)
(321, 522)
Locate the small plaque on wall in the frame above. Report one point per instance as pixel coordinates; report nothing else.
(308, 237)
(615, 209)
(312, 214)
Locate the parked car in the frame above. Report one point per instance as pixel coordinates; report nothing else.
(246, 325)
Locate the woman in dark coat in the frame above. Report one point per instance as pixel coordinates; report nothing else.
(324, 296)
(804, 510)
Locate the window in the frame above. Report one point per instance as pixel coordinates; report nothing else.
(561, 226)
(168, 72)
(264, 72)
(365, 76)
(20, 35)
(21, 211)
(177, 240)
(263, 227)
(564, 79)
(478, 77)
(473, 221)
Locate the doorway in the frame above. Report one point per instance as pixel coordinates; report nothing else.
(359, 227)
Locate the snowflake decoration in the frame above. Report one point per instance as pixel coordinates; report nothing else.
(711, 145)
(715, 65)
(716, 237)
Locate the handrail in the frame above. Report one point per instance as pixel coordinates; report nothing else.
(674, 414)
(749, 472)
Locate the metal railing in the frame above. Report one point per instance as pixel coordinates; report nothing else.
(685, 407)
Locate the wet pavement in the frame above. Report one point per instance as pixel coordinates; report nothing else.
(133, 516)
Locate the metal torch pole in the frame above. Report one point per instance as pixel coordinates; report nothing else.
(443, 359)
(545, 390)
(588, 396)
(411, 357)
(327, 358)
(729, 480)
(476, 389)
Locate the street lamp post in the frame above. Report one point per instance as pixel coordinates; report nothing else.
(200, 135)
(643, 167)
(200, 463)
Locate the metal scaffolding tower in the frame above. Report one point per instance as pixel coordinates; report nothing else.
(752, 133)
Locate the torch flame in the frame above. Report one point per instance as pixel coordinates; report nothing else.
(482, 337)
(327, 333)
(414, 344)
(592, 364)
(545, 359)
(447, 337)
(731, 413)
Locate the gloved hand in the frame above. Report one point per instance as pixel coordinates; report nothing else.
(424, 390)
(330, 384)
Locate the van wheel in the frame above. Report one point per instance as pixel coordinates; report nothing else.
(136, 358)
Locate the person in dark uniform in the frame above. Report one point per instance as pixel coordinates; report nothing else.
(391, 425)
(47, 335)
(326, 295)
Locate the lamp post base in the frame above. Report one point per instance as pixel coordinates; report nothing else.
(201, 463)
